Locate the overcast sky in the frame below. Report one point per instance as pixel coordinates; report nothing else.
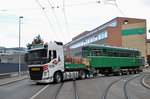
(67, 19)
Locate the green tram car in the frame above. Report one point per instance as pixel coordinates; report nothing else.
(112, 60)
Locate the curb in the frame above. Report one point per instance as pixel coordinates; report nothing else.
(13, 81)
(143, 81)
(12, 74)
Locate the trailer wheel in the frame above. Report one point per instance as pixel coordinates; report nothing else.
(132, 72)
(82, 74)
(57, 77)
(120, 73)
(136, 72)
(106, 74)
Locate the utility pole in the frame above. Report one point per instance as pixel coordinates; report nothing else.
(19, 74)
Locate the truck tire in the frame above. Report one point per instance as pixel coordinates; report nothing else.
(57, 77)
(82, 74)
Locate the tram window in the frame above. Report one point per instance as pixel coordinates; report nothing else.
(137, 55)
(132, 54)
(116, 53)
(122, 54)
(85, 52)
(97, 52)
(126, 54)
(94, 52)
(109, 52)
(104, 52)
(90, 52)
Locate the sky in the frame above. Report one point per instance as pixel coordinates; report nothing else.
(61, 20)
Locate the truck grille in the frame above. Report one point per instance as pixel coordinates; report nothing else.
(36, 73)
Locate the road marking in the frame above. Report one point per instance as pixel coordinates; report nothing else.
(136, 84)
(132, 83)
(39, 92)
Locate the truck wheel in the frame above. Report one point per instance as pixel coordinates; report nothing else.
(57, 77)
(82, 74)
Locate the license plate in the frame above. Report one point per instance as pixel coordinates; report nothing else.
(35, 69)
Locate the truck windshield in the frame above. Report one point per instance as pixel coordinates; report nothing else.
(37, 57)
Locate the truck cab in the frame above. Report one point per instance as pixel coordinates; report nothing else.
(46, 62)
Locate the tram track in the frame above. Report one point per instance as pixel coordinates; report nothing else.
(60, 87)
(58, 90)
(124, 86)
(75, 90)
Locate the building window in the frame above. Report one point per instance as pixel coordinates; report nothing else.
(95, 38)
(10, 60)
(84, 42)
(125, 21)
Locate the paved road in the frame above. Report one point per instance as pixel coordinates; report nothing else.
(92, 88)
(136, 90)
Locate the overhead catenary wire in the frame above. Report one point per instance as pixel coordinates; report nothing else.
(65, 18)
(48, 19)
(67, 5)
(118, 8)
(115, 4)
(55, 17)
(81, 4)
(64, 12)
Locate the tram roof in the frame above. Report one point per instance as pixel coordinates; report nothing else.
(106, 46)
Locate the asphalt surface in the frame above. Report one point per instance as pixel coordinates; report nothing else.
(136, 90)
(92, 88)
(147, 80)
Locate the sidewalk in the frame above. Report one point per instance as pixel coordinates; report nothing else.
(12, 79)
(146, 79)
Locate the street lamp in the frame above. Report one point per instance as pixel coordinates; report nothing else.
(19, 74)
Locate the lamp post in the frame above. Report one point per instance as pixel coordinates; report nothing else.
(19, 74)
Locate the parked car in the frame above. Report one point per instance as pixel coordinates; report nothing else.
(146, 65)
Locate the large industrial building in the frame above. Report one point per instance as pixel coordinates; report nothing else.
(120, 32)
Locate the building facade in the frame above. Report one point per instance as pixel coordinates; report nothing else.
(148, 51)
(119, 32)
(11, 55)
(12, 51)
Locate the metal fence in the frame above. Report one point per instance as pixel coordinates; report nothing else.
(12, 67)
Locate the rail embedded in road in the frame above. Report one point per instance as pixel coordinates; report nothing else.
(125, 90)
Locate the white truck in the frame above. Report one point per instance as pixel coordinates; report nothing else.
(46, 64)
